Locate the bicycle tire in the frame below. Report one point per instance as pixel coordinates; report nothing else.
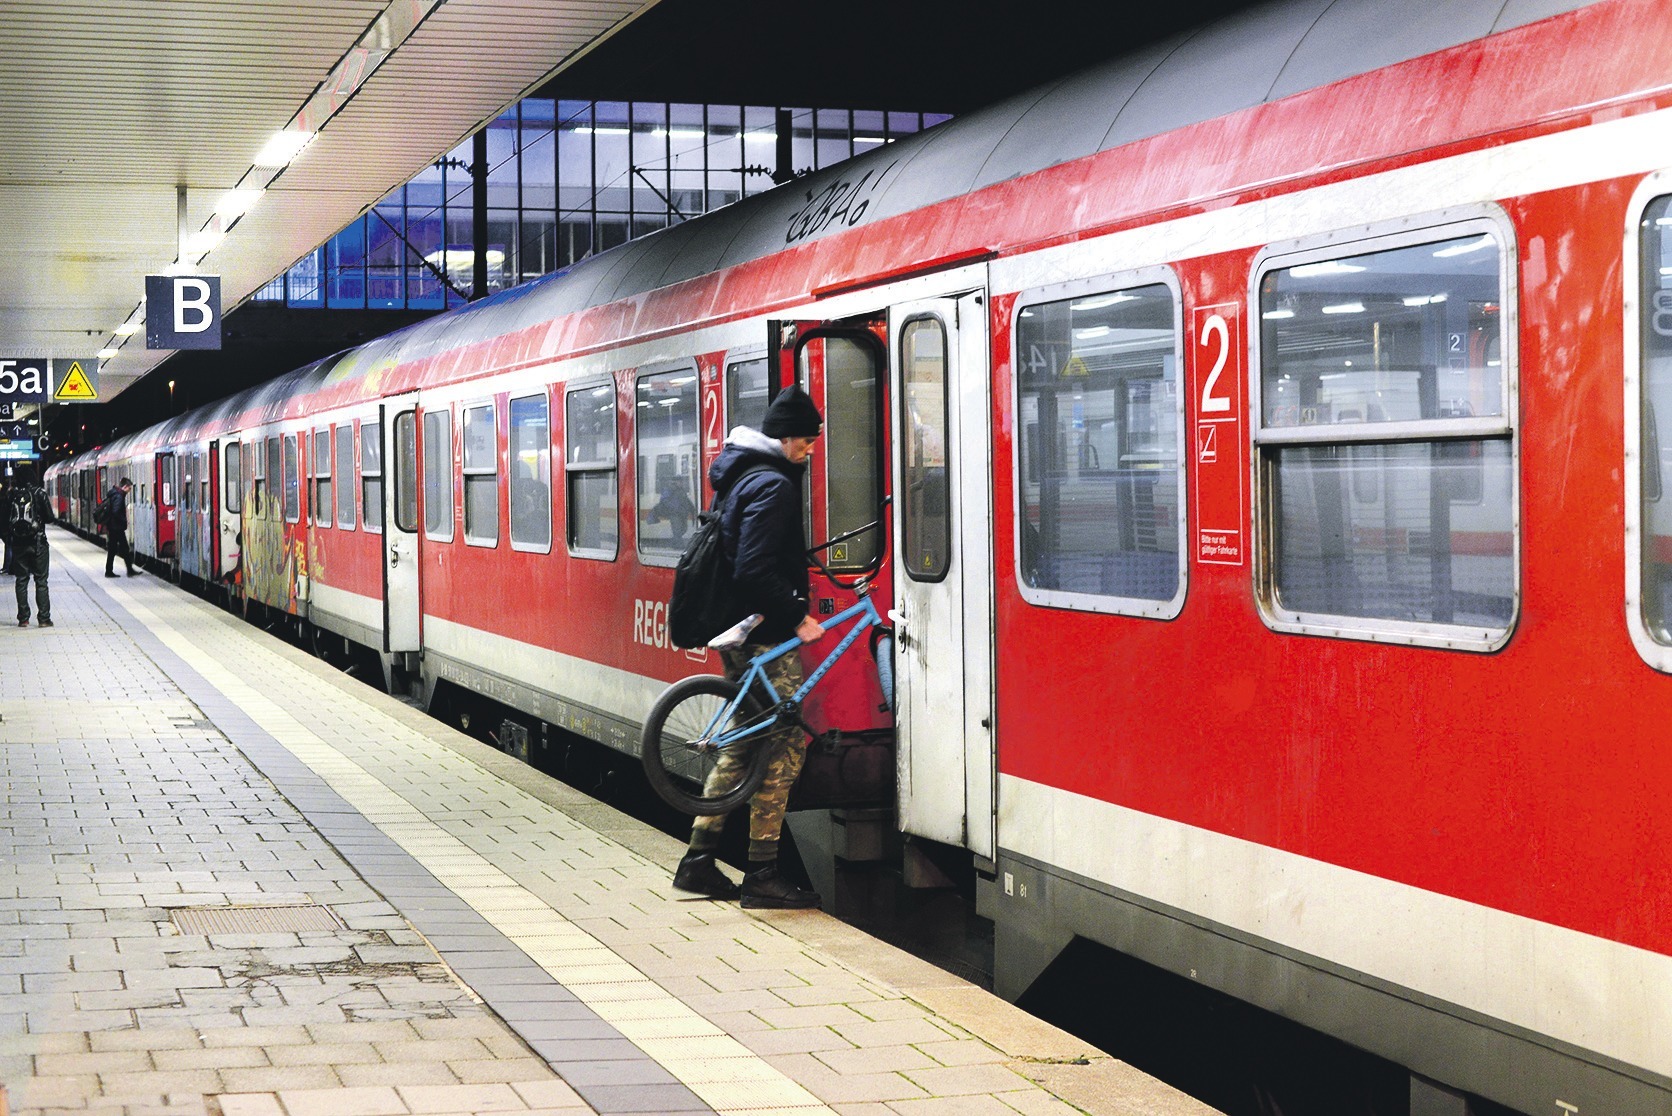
(883, 650)
(678, 772)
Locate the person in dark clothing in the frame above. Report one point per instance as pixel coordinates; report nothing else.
(758, 477)
(28, 511)
(116, 528)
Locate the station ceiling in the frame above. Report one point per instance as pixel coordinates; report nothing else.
(107, 107)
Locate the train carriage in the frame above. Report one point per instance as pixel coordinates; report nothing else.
(1264, 432)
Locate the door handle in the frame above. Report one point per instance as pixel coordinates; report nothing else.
(898, 617)
(394, 557)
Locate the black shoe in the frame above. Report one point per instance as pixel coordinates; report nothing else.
(23, 623)
(46, 623)
(764, 888)
(131, 572)
(697, 873)
(109, 574)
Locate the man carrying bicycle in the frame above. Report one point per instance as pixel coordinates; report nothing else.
(757, 481)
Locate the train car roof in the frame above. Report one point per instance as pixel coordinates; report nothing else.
(1260, 55)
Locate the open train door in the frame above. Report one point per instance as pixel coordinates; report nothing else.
(165, 495)
(226, 486)
(943, 570)
(398, 456)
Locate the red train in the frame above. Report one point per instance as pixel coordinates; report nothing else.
(1278, 517)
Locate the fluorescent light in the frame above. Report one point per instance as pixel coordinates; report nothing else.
(1091, 332)
(760, 137)
(128, 329)
(1466, 247)
(1274, 315)
(236, 203)
(105, 354)
(1100, 301)
(1328, 267)
(1345, 308)
(1424, 300)
(682, 133)
(869, 139)
(604, 131)
(202, 242)
(283, 148)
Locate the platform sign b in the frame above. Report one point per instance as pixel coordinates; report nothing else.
(182, 311)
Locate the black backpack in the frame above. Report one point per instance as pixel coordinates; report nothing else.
(701, 605)
(26, 520)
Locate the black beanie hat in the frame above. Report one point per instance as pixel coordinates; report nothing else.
(792, 415)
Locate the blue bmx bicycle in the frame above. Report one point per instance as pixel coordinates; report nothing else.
(702, 746)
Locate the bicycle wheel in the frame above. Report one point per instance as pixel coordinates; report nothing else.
(691, 775)
(883, 648)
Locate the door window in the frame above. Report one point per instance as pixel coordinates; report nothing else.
(926, 522)
(438, 475)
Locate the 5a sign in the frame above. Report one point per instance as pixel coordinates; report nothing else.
(182, 311)
(25, 379)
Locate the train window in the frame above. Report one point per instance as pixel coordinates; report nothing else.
(926, 535)
(531, 471)
(481, 476)
(323, 507)
(851, 445)
(292, 480)
(371, 476)
(232, 478)
(344, 435)
(1648, 511)
(406, 471)
(185, 465)
(438, 475)
(1099, 471)
(746, 393)
(166, 480)
(1385, 441)
(273, 476)
(590, 435)
(667, 430)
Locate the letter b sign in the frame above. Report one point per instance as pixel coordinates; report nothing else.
(182, 311)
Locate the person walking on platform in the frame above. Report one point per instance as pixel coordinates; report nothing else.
(116, 527)
(758, 475)
(28, 511)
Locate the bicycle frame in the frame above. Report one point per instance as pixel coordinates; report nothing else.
(865, 616)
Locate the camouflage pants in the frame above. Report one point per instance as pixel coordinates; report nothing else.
(789, 751)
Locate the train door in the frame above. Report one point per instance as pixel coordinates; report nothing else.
(167, 493)
(398, 423)
(943, 570)
(227, 487)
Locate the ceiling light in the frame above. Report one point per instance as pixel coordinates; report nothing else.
(1091, 332)
(1328, 267)
(128, 329)
(1100, 301)
(236, 203)
(105, 354)
(1466, 247)
(869, 139)
(760, 137)
(283, 148)
(682, 133)
(202, 242)
(1345, 308)
(1274, 315)
(585, 131)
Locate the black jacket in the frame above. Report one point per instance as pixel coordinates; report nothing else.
(116, 511)
(760, 529)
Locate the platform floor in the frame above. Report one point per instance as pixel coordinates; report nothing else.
(234, 882)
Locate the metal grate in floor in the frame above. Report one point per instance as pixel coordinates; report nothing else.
(255, 920)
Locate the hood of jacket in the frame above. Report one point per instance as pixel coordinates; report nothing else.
(745, 448)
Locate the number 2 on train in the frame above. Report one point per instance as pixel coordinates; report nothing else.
(1215, 326)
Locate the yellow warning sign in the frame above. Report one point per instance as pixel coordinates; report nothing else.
(1075, 367)
(75, 386)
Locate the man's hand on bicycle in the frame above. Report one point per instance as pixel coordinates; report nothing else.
(809, 630)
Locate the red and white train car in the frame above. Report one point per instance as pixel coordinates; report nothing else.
(1272, 426)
